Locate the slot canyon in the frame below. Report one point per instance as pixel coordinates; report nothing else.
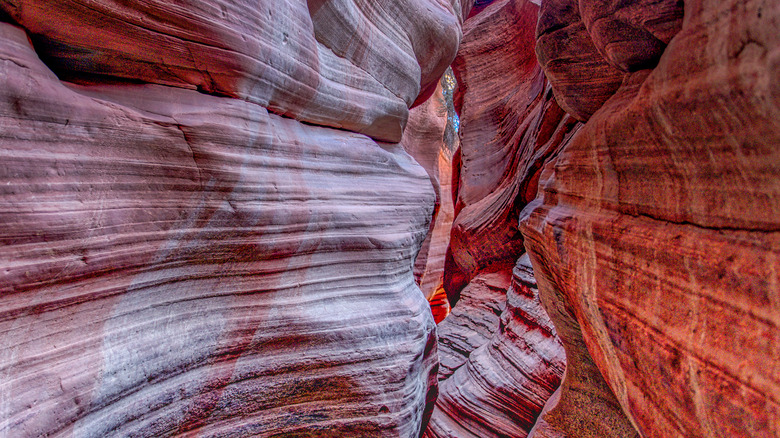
(390, 218)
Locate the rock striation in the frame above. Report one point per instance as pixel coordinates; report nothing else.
(500, 357)
(587, 46)
(509, 126)
(232, 218)
(655, 236)
(349, 64)
(424, 139)
(180, 255)
(503, 383)
(473, 321)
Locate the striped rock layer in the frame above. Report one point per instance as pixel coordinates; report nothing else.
(655, 237)
(424, 139)
(180, 255)
(500, 356)
(350, 64)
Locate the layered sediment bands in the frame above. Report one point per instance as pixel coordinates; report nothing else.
(587, 46)
(509, 126)
(657, 230)
(506, 381)
(424, 139)
(501, 359)
(584, 405)
(349, 64)
(631, 36)
(175, 263)
(582, 80)
(474, 320)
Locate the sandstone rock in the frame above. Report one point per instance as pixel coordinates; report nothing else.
(500, 358)
(176, 263)
(473, 321)
(424, 140)
(631, 36)
(509, 126)
(582, 80)
(657, 229)
(440, 305)
(505, 383)
(350, 64)
(584, 405)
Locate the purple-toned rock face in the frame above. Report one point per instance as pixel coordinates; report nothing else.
(179, 263)
(349, 64)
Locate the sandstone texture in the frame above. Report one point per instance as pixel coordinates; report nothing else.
(180, 255)
(233, 218)
(506, 380)
(350, 64)
(500, 357)
(473, 321)
(587, 47)
(424, 139)
(655, 237)
(509, 126)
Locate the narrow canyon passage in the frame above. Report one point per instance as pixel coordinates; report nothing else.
(390, 218)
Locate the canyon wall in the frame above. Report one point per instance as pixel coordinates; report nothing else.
(655, 236)
(189, 247)
(426, 138)
(223, 218)
(500, 357)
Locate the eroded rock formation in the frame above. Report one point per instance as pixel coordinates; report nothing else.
(425, 139)
(349, 64)
(500, 357)
(175, 262)
(655, 232)
(655, 236)
(209, 226)
(509, 126)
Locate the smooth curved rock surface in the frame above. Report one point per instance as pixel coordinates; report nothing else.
(582, 80)
(631, 36)
(508, 128)
(175, 263)
(505, 383)
(500, 357)
(424, 139)
(584, 405)
(473, 321)
(352, 64)
(658, 230)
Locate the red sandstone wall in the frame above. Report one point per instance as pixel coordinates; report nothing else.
(655, 234)
(500, 357)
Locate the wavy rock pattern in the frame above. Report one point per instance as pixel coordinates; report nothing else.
(582, 80)
(178, 263)
(507, 380)
(500, 358)
(500, 98)
(587, 46)
(424, 140)
(657, 231)
(631, 36)
(473, 321)
(350, 64)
